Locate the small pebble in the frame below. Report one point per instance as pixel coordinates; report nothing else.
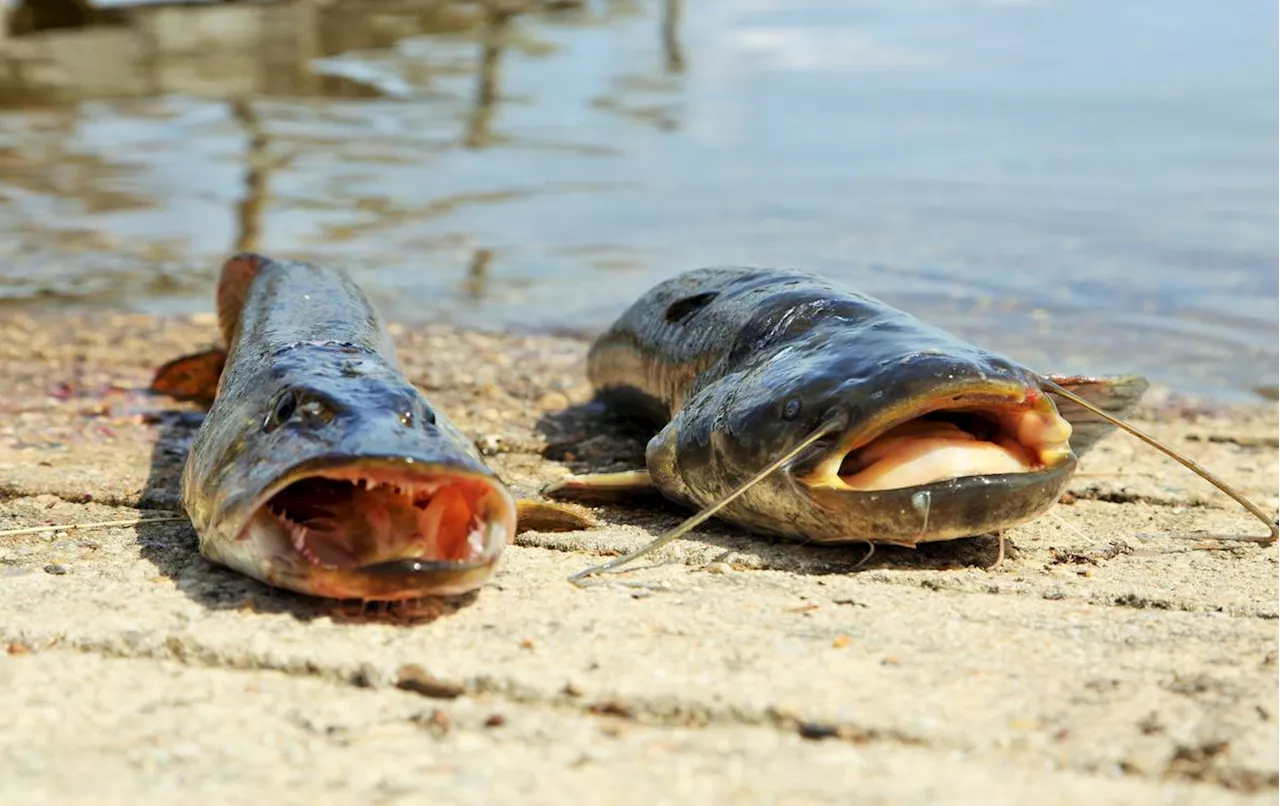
(413, 677)
(367, 676)
(495, 721)
(440, 721)
(718, 568)
(437, 722)
(57, 569)
(611, 708)
(817, 730)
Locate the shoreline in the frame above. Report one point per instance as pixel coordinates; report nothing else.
(1092, 665)
(1225, 396)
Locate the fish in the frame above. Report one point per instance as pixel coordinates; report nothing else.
(903, 433)
(319, 468)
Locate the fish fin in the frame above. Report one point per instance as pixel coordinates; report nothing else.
(191, 377)
(543, 516)
(237, 275)
(1116, 395)
(604, 486)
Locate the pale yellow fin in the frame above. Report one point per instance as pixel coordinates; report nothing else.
(604, 486)
(544, 516)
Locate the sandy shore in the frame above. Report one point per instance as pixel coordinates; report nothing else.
(1093, 665)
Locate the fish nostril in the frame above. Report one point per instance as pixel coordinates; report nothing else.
(428, 416)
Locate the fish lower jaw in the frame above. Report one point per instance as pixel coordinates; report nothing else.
(947, 444)
(264, 553)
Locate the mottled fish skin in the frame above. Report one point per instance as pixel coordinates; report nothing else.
(308, 332)
(738, 365)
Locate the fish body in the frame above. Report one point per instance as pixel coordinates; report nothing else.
(319, 468)
(931, 438)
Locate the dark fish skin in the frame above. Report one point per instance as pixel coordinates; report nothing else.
(738, 365)
(312, 384)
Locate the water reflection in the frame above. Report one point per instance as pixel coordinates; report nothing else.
(29, 16)
(476, 284)
(67, 50)
(1018, 173)
(257, 157)
(497, 21)
(671, 36)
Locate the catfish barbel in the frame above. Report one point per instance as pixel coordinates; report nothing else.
(319, 468)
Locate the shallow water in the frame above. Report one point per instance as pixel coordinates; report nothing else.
(1086, 186)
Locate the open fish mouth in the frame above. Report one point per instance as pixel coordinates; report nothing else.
(959, 436)
(365, 517)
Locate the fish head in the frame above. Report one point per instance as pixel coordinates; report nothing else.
(925, 438)
(325, 472)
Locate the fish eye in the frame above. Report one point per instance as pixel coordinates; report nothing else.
(406, 418)
(791, 410)
(285, 407)
(298, 405)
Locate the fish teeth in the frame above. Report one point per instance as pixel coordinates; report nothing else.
(496, 534)
(299, 536)
(475, 539)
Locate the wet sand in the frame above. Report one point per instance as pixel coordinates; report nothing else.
(1092, 665)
